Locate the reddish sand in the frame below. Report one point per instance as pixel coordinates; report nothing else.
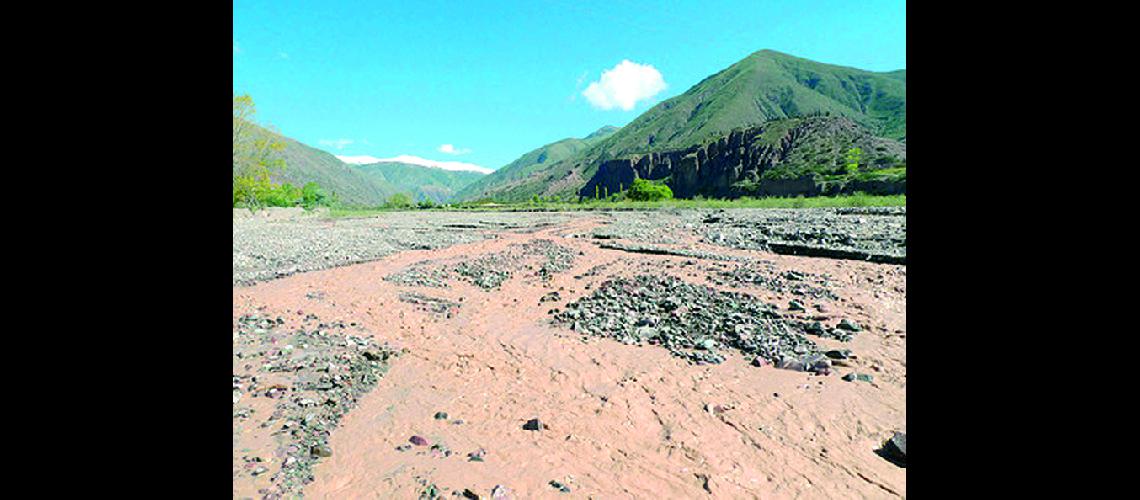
(624, 421)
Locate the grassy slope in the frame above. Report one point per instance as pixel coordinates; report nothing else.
(422, 182)
(532, 163)
(306, 164)
(765, 86)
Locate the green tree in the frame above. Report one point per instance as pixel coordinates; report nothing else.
(644, 190)
(399, 200)
(255, 155)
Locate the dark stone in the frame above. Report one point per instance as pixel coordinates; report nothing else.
(321, 450)
(839, 354)
(534, 424)
(894, 449)
(559, 486)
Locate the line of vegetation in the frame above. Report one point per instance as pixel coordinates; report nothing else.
(852, 200)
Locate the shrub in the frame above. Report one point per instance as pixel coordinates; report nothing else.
(643, 190)
(313, 196)
(399, 200)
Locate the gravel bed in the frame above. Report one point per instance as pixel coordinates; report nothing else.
(852, 233)
(764, 275)
(877, 234)
(268, 249)
(490, 271)
(303, 381)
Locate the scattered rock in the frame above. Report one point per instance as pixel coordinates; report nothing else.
(418, 441)
(500, 492)
(477, 455)
(862, 377)
(559, 486)
(534, 424)
(839, 354)
(894, 449)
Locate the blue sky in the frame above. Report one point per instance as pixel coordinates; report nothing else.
(497, 79)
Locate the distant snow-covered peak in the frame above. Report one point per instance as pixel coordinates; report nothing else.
(415, 160)
(358, 160)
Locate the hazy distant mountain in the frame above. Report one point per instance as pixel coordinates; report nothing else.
(370, 185)
(422, 182)
(307, 164)
(416, 160)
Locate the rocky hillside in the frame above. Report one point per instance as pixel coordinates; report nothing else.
(780, 158)
(305, 164)
(764, 87)
(523, 172)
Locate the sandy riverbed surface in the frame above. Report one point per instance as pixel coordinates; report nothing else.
(623, 421)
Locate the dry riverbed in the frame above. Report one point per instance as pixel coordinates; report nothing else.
(577, 355)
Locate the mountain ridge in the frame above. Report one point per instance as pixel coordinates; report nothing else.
(763, 87)
(532, 161)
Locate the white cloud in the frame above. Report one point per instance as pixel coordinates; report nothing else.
(624, 85)
(415, 160)
(450, 149)
(335, 143)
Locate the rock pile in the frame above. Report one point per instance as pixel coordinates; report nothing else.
(693, 322)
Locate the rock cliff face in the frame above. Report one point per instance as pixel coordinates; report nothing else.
(735, 165)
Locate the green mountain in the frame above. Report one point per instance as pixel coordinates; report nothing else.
(764, 87)
(366, 185)
(424, 183)
(351, 186)
(526, 167)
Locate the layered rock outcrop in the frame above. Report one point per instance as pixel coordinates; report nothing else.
(734, 165)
